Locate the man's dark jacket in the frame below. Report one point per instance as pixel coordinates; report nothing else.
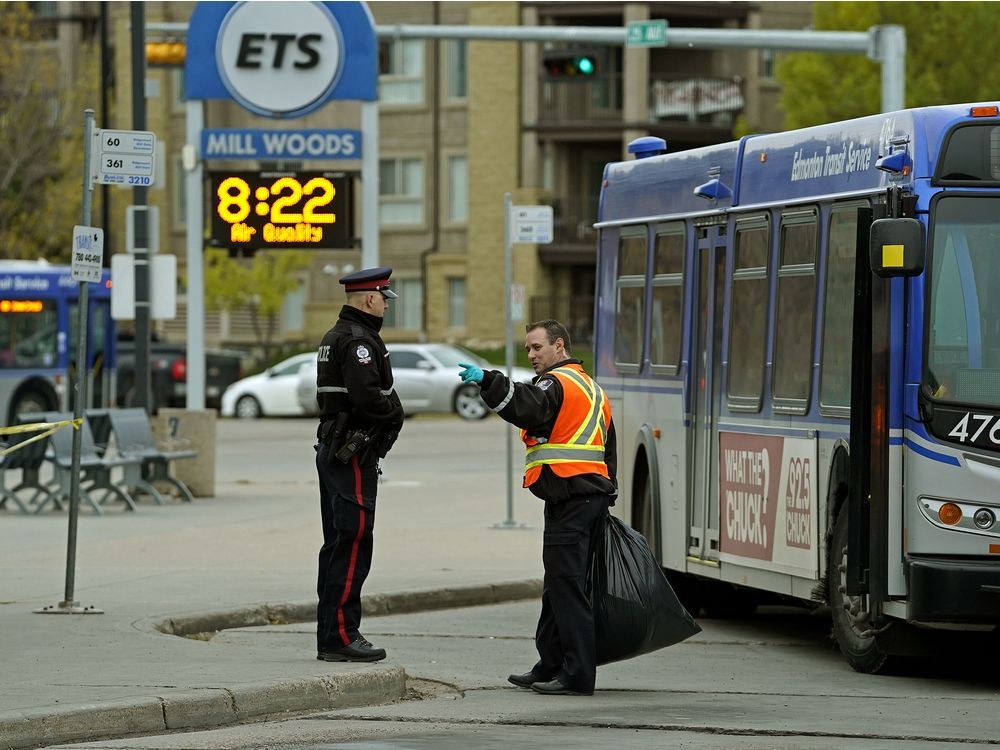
(354, 359)
(534, 408)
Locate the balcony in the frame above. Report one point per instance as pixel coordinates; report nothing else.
(576, 313)
(573, 218)
(673, 102)
(581, 102)
(715, 101)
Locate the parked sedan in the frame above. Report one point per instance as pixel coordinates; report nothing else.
(426, 378)
(271, 393)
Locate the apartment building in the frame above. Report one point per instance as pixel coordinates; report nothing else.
(463, 122)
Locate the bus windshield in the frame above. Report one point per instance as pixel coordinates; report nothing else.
(963, 348)
(28, 330)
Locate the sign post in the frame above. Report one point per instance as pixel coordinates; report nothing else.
(88, 253)
(110, 157)
(532, 224)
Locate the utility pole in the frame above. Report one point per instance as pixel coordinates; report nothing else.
(139, 196)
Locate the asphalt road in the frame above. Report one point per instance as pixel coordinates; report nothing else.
(770, 681)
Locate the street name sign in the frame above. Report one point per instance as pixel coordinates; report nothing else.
(250, 143)
(124, 157)
(531, 224)
(646, 33)
(88, 254)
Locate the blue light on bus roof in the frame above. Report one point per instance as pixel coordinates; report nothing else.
(647, 145)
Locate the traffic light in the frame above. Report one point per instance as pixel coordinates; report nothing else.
(572, 64)
(165, 54)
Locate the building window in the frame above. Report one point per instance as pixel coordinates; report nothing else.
(177, 98)
(401, 192)
(458, 190)
(401, 71)
(748, 315)
(793, 327)
(668, 296)
(767, 64)
(456, 303)
(178, 193)
(407, 311)
(458, 69)
(630, 303)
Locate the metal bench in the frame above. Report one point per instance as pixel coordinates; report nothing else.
(28, 460)
(95, 469)
(134, 439)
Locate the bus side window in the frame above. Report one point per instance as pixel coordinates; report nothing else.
(748, 314)
(793, 333)
(668, 296)
(838, 309)
(630, 307)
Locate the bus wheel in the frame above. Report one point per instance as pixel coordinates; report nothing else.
(850, 614)
(30, 401)
(644, 513)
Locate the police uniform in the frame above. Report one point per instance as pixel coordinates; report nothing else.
(570, 463)
(356, 399)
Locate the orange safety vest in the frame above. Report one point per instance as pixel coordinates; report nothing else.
(576, 445)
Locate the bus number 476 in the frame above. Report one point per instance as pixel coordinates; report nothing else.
(980, 422)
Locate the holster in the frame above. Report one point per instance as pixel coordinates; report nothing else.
(331, 432)
(356, 442)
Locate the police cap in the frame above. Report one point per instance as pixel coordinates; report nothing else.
(370, 280)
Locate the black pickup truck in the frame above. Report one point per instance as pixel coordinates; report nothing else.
(168, 373)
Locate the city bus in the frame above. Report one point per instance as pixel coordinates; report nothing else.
(38, 339)
(799, 334)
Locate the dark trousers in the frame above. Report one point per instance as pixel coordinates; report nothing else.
(565, 634)
(347, 504)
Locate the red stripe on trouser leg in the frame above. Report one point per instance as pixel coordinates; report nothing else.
(348, 584)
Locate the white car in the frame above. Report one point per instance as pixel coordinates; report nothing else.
(426, 378)
(271, 393)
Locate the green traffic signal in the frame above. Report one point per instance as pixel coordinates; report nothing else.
(585, 65)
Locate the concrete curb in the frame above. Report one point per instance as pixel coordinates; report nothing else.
(198, 709)
(372, 605)
(213, 706)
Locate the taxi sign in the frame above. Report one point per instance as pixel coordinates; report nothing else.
(88, 254)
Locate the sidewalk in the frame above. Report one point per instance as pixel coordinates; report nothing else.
(244, 557)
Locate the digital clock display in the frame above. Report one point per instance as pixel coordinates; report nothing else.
(265, 210)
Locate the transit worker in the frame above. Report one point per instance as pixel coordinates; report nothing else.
(359, 419)
(570, 463)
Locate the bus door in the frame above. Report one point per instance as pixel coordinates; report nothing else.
(705, 384)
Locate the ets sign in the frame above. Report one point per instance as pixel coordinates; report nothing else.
(280, 59)
(270, 210)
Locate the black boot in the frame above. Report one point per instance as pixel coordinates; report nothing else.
(359, 650)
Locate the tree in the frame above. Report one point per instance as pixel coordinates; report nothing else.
(41, 134)
(949, 47)
(259, 286)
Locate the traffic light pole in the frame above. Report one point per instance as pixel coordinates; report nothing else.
(142, 384)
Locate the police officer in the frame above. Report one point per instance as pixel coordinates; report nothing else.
(360, 417)
(570, 463)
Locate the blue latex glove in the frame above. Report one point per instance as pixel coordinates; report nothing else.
(470, 373)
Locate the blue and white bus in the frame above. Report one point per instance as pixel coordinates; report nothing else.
(38, 320)
(800, 337)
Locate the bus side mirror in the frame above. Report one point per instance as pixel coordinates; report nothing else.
(896, 248)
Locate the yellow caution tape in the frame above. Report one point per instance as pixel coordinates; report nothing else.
(48, 427)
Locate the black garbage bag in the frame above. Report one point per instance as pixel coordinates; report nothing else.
(635, 609)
